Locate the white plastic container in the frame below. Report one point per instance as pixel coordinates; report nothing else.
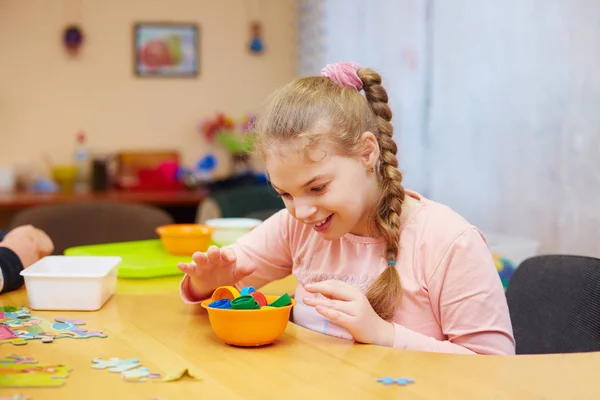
(74, 283)
(228, 230)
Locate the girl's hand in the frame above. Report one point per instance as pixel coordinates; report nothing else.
(349, 308)
(217, 267)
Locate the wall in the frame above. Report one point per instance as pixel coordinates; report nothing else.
(514, 130)
(495, 104)
(46, 97)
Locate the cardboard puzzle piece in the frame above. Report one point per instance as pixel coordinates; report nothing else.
(390, 381)
(115, 364)
(184, 373)
(16, 371)
(17, 326)
(131, 369)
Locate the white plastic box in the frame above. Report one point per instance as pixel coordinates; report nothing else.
(228, 230)
(74, 283)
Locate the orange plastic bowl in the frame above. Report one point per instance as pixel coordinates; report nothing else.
(185, 239)
(249, 328)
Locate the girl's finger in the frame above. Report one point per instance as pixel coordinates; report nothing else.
(334, 290)
(200, 258)
(228, 255)
(346, 307)
(336, 316)
(214, 254)
(187, 268)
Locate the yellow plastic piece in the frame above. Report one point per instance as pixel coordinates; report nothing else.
(225, 292)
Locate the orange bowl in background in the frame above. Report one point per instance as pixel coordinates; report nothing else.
(249, 328)
(185, 239)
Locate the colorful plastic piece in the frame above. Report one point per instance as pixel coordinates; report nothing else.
(222, 303)
(400, 381)
(282, 301)
(244, 303)
(225, 292)
(260, 298)
(247, 290)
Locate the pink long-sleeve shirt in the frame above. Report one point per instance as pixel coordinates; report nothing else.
(452, 300)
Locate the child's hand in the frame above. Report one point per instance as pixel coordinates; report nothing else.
(349, 308)
(29, 242)
(217, 267)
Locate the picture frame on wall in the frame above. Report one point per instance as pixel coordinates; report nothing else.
(166, 49)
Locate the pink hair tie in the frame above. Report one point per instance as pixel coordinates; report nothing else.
(343, 74)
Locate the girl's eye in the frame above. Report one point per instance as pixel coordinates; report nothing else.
(284, 195)
(318, 189)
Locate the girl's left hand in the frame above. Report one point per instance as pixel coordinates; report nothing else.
(348, 307)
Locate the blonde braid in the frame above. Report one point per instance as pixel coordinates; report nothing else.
(385, 292)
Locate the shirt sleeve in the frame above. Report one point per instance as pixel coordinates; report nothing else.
(469, 303)
(10, 270)
(267, 247)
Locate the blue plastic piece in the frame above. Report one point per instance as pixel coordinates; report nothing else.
(400, 381)
(222, 303)
(247, 290)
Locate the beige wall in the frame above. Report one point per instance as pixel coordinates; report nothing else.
(46, 97)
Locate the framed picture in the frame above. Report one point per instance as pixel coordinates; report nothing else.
(166, 49)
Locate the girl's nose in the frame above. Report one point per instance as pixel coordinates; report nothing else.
(304, 211)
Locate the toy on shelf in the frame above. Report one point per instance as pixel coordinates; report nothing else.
(233, 135)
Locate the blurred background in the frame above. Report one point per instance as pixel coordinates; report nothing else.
(147, 101)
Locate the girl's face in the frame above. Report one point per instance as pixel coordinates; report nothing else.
(331, 193)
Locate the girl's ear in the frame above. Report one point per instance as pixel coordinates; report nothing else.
(369, 150)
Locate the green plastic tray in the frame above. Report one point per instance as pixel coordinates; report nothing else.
(141, 259)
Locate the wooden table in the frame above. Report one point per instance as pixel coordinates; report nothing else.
(147, 320)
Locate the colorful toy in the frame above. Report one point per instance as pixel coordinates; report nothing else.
(256, 43)
(248, 298)
(251, 319)
(505, 268)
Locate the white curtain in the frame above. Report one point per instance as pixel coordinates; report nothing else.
(496, 105)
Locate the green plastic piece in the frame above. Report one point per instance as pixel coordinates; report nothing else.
(244, 303)
(141, 259)
(282, 301)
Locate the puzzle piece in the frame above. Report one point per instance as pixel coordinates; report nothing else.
(16, 342)
(16, 359)
(135, 375)
(23, 326)
(180, 374)
(69, 321)
(16, 371)
(16, 397)
(115, 364)
(6, 333)
(400, 381)
(131, 369)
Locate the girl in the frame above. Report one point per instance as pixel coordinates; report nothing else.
(374, 262)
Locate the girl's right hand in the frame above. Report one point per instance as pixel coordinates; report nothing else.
(217, 267)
